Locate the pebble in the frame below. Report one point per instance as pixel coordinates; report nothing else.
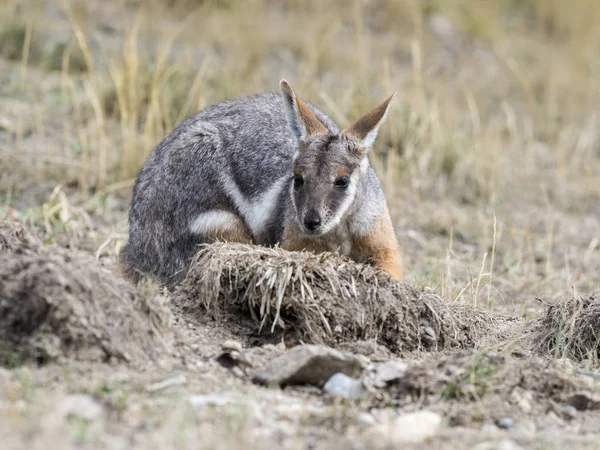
(385, 373)
(505, 423)
(341, 385)
(569, 412)
(232, 346)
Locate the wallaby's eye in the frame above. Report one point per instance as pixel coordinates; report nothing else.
(342, 182)
(298, 181)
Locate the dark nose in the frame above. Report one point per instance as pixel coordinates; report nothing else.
(312, 221)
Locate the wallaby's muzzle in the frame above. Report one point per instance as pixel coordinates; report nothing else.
(312, 221)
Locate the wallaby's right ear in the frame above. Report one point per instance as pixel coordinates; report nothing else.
(302, 120)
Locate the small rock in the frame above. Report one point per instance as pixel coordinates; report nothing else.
(232, 346)
(366, 419)
(428, 335)
(522, 398)
(341, 385)
(280, 347)
(387, 372)
(413, 428)
(199, 401)
(505, 423)
(81, 406)
(569, 412)
(308, 364)
(506, 444)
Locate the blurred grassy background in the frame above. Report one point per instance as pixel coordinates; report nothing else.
(494, 135)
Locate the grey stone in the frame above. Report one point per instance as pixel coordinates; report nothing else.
(308, 364)
(505, 423)
(232, 346)
(385, 373)
(569, 412)
(341, 385)
(506, 444)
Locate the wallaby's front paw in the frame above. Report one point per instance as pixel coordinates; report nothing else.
(394, 267)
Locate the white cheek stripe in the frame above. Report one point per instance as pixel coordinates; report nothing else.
(213, 221)
(256, 213)
(364, 165)
(346, 203)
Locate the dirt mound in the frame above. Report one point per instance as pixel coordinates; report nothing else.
(471, 387)
(321, 299)
(14, 236)
(57, 303)
(570, 329)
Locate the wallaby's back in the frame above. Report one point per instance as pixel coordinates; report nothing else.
(231, 162)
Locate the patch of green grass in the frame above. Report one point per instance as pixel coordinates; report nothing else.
(475, 379)
(40, 49)
(8, 355)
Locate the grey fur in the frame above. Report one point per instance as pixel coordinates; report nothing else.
(247, 140)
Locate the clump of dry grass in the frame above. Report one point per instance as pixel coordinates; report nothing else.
(322, 298)
(570, 329)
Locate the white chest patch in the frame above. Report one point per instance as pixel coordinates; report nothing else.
(213, 221)
(257, 212)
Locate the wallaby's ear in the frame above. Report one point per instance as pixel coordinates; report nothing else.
(302, 120)
(366, 128)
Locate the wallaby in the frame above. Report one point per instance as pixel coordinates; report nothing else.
(266, 169)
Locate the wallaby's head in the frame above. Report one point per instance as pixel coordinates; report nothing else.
(330, 170)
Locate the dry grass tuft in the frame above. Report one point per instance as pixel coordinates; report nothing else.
(570, 329)
(322, 298)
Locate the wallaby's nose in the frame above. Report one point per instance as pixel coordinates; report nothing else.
(312, 221)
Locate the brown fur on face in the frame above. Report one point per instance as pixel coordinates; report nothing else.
(342, 173)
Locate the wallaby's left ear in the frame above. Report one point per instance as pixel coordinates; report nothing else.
(366, 128)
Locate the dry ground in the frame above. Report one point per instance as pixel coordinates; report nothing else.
(490, 160)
